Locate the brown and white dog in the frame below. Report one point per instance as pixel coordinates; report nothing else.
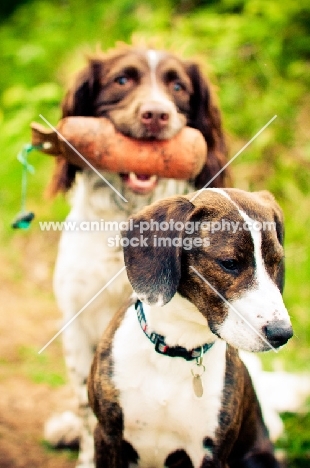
(206, 292)
(147, 94)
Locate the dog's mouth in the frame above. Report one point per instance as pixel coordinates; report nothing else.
(139, 183)
(278, 343)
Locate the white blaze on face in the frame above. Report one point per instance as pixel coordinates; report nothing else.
(156, 95)
(260, 305)
(153, 58)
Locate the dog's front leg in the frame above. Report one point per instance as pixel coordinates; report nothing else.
(112, 452)
(105, 454)
(213, 463)
(78, 356)
(257, 460)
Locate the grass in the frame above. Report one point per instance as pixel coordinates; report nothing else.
(71, 454)
(40, 368)
(296, 439)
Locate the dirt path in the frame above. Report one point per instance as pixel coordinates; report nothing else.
(32, 386)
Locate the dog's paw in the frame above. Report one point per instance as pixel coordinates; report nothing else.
(64, 430)
(86, 458)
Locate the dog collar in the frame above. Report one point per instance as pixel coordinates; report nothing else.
(159, 341)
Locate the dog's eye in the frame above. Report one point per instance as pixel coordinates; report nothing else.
(230, 265)
(121, 80)
(177, 86)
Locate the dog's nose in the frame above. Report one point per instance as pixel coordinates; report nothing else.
(278, 333)
(155, 116)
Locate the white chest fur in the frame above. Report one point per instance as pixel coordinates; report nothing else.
(161, 412)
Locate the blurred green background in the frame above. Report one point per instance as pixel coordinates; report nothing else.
(257, 55)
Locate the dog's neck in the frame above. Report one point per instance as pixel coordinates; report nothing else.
(180, 322)
(94, 198)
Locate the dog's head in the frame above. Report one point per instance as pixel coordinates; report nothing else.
(147, 94)
(222, 250)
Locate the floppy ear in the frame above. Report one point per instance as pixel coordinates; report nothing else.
(280, 233)
(206, 117)
(152, 253)
(277, 211)
(79, 101)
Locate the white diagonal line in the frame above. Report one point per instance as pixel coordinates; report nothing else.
(82, 157)
(83, 308)
(236, 155)
(234, 309)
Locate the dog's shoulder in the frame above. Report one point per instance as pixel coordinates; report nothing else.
(104, 347)
(101, 368)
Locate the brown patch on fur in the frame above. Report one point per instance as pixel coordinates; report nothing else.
(62, 177)
(240, 431)
(108, 429)
(178, 459)
(224, 246)
(262, 207)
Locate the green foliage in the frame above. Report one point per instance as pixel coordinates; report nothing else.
(39, 367)
(296, 440)
(70, 453)
(256, 52)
